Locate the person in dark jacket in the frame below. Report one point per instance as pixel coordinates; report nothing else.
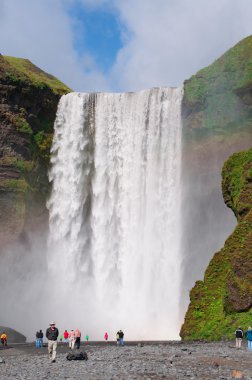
(238, 337)
(249, 338)
(121, 335)
(52, 334)
(39, 339)
(77, 335)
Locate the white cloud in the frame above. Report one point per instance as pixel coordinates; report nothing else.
(167, 40)
(172, 39)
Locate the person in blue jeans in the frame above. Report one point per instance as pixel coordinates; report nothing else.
(39, 339)
(249, 338)
(121, 335)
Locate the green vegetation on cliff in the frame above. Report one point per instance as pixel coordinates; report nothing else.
(22, 70)
(28, 104)
(220, 94)
(223, 300)
(31, 96)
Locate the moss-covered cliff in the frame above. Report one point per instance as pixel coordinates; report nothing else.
(28, 103)
(217, 122)
(220, 95)
(223, 300)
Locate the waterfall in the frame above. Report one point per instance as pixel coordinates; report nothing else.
(114, 211)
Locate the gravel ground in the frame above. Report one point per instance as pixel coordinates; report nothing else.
(168, 360)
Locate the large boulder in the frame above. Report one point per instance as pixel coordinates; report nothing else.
(13, 335)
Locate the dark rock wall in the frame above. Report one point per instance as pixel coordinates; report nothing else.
(28, 107)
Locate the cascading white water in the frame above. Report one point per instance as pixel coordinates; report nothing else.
(115, 211)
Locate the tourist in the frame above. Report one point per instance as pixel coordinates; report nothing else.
(87, 338)
(249, 338)
(77, 335)
(238, 337)
(4, 339)
(52, 334)
(121, 335)
(71, 338)
(39, 339)
(117, 338)
(106, 337)
(66, 334)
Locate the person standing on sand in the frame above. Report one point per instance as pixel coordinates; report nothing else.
(238, 337)
(249, 338)
(106, 337)
(4, 339)
(52, 334)
(77, 335)
(71, 339)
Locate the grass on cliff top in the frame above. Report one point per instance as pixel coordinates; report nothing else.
(217, 99)
(23, 70)
(233, 70)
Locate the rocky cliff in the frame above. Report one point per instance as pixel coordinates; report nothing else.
(217, 122)
(223, 300)
(28, 103)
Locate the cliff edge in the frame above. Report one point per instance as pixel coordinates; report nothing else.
(223, 300)
(28, 104)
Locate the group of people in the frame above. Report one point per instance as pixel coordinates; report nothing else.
(73, 338)
(239, 334)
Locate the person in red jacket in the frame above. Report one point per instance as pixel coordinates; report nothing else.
(66, 336)
(106, 337)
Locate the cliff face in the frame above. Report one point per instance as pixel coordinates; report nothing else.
(28, 103)
(223, 300)
(217, 122)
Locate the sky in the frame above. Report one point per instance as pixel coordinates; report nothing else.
(122, 45)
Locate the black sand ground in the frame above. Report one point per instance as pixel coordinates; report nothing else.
(166, 360)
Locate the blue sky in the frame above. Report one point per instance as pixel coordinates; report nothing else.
(97, 31)
(122, 45)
